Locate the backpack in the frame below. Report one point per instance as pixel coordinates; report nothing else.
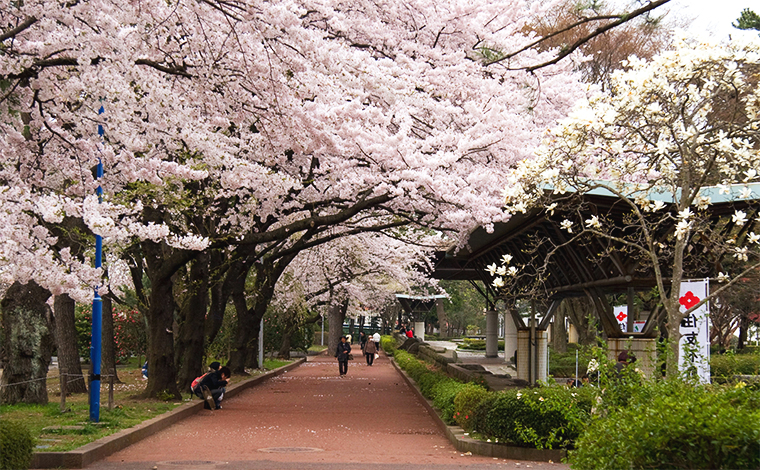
(197, 382)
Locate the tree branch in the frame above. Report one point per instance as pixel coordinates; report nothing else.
(621, 19)
(18, 29)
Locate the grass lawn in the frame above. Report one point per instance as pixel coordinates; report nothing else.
(49, 426)
(317, 348)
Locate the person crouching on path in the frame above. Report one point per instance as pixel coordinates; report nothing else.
(344, 349)
(211, 388)
(369, 352)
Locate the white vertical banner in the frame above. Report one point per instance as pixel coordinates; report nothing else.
(621, 315)
(694, 345)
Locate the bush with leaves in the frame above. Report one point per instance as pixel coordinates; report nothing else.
(444, 393)
(16, 446)
(543, 417)
(429, 380)
(675, 424)
(723, 367)
(465, 403)
(413, 366)
(388, 344)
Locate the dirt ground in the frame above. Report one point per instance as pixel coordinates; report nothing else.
(310, 418)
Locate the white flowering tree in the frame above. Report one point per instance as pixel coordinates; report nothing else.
(676, 142)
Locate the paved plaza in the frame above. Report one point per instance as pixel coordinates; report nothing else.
(309, 418)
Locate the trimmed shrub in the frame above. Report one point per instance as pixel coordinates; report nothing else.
(413, 366)
(466, 402)
(563, 364)
(546, 417)
(16, 446)
(724, 366)
(675, 424)
(444, 393)
(428, 381)
(478, 344)
(388, 343)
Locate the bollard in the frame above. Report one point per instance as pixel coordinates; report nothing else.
(62, 381)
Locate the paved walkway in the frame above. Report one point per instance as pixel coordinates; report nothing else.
(310, 418)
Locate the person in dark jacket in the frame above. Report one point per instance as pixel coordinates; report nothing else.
(342, 353)
(212, 388)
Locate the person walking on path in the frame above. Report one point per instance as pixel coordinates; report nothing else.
(342, 353)
(362, 339)
(369, 352)
(376, 339)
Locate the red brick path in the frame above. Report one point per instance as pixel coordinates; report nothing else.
(311, 418)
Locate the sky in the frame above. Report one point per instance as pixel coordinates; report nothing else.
(714, 16)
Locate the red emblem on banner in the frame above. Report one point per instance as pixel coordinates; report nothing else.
(621, 316)
(689, 300)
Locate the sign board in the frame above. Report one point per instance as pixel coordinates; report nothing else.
(621, 315)
(694, 345)
(638, 326)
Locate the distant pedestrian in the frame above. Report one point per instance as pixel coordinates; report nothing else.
(376, 339)
(369, 352)
(410, 333)
(342, 353)
(349, 338)
(362, 339)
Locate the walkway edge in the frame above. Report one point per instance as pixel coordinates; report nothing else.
(463, 443)
(105, 446)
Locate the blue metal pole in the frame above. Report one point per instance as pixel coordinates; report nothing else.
(97, 309)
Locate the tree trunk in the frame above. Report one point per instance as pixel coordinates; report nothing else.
(190, 335)
(284, 352)
(743, 327)
(579, 314)
(221, 288)
(108, 362)
(66, 341)
(244, 351)
(336, 314)
(559, 332)
(162, 263)
(443, 323)
(28, 342)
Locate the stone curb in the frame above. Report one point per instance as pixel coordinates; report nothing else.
(105, 446)
(462, 443)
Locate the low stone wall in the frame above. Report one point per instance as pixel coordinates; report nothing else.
(440, 357)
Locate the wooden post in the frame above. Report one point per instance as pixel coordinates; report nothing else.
(110, 391)
(62, 382)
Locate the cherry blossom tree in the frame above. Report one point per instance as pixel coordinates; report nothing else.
(674, 137)
(366, 269)
(252, 130)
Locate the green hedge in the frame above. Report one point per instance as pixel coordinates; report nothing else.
(724, 366)
(388, 343)
(544, 417)
(444, 393)
(16, 446)
(552, 419)
(465, 404)
(477, 344)
(673, 424)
